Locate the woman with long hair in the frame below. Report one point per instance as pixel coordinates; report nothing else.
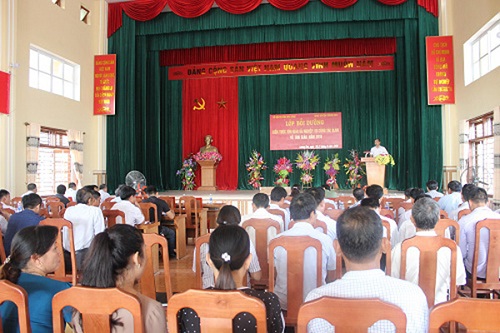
(229, 257)
(116, 258)
(34, 254)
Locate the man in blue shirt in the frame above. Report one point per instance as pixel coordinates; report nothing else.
(26, 218)
(453, 199)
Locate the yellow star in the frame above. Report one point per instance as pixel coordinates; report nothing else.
(222, 103)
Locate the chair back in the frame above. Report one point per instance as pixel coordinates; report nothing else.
(443, 214)
(52, 199)
(347, 200)
(15, 201)
(333, 213)
(477, 315)
(463, 212)
(317, 224)
(493, 257)
(437, 199)
(150, 211)
(216, 309)
(198, 243)
(95, 305)
(189, 204)
(340, 312)
(71, 204)
(295, 247)
(393, 202)
(329, 206)
(148, 281)
(56, 209)
(3, 256)
(170, 202)
(111, 215)
(107, 205)
(444, 224)
(261, 227)
(387, 213)
(44, 212)
(17, 295)
(60, 273)
(280, 213)
(427, 271)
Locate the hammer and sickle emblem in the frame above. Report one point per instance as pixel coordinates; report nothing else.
(200, 105)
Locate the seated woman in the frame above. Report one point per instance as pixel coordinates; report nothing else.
(34, 254)
(228, 215)
(116, 259)
(229, 257)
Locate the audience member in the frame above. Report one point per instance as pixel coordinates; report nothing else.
(319, 196)
(103, 190)
(129, 206)
(260, 203)
(71, 192)
(359, 195)
(34, 254)
(296, 189)
(4, 218)
(61, 189)
(453, 199)
(31, 187)
(425, 215)
(374, 204)
(432, 189)
(5, 200)
(96, 197)
(401, 211)
(116, 258)
(229, 257)
(26, 218)
(117, 193)
(466, 190)
(278, 196)
(359, 232)
(303, 212)
(375, 192)
(92, 187)
(414, 194)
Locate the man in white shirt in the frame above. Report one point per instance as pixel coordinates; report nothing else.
(425, 215)
(302, 211)
(278, 195)
(414, 194)
(87, 222)
(5, 199)
(318, 194)
(432, 189)
(480, 211)
(466, 190)
(103, 191)
(260, 203)
(378, 149)
(31, 187)
(359, 194)
(71, 192)
(128, 205)
(117, 193)
(401, 211)
(374, 205)
(359, 232)
(453, 199)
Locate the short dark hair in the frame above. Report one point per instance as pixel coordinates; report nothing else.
(71, 185)
(377, 139)
(95, 194)
(61, 189)
(408, 192)
(278, 193)
(3, 193)
(359, 233)
(375, 191)
(425, 212)
(302, 206)
(318, 194)
(83, 195)
(421, 196)
(151, 189)
(91, 187)
(466, 191)
(432, 185)
(370, 203)
(126, 192)
(31, 186)
(296, 189)
(358, 194)
(229, 215)
(416, 192)
(261, 200)
(478, 195)
(103, 186)
(31, 200)
(455, 186)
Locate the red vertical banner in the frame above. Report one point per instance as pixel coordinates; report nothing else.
(210, 107)
(104, 84)
(4, 93)
(440, 70)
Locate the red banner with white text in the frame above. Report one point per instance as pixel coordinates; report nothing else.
(104, 84)
(440, 70)
(4, 93)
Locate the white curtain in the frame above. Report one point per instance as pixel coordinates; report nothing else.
(32, 146)
(75, 139)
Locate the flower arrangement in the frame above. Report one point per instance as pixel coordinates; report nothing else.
(282, 169)
(208, 156)
(332, 167)
(385, 159)
(255, 166)
(307, 161)
(187, 173)
(354, 171)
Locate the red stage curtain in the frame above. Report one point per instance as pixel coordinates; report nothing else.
(431, 6)
(114, 18)
(279, 50)
(339, 3)
(144, 10)
(392, 2)
(216, 120)
(190, 8)
(288, 4)
(238, 6)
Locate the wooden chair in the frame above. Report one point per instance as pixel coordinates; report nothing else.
(170, 202)
(15, 201)
(150, 212)
(491, 282)
(387, 213)
(443, 214)
(198, 243)
(3, 256)
(405, 205)
(110, 217)
(189, 205)
(71, 204)
(329, 206)
(95, 305)
(106, 205)
(44, 212)
(463, 212)
(334, 213)
(393, 202)
(109, 198)
(60, 273)
(317, 224)
(444, 224)
(351, 315)
(261, 227)
(280, 213)
(56, 209)
(477, 315)
(148, 281)
(216, 309)
(427, 271)
(295, 246)
(347, 200)
(17, 295)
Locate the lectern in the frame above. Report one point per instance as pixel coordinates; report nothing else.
(375, 173)
(208, 175)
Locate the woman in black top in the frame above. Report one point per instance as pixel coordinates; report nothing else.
(229, 257)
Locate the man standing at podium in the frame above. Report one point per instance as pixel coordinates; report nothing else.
(378, 149)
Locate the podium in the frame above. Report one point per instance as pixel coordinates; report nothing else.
(375, 173)
(208, 175)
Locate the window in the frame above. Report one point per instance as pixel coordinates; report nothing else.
(54, 160)
(480, 170)
(54, 74)
(59, 3)
(482, 51)
(84, 15)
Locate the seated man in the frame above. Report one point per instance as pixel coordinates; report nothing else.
(87, 221)
(401, 211)
(466, 190)
(432, 187)
(61, 189)
(96, 197)
(425, 215)
(375, 192)
(103, 190)
(260, 203)
(117, 193)
(480, 211)
(129, 206)
(162, 209)
(453, 199)
(303, 212)
(31, 187)
(414, 194)
(318, 194)
(278, 195)
(359, 233)
(359, 195)
(5, 200)
(71, 192)
(375, 205)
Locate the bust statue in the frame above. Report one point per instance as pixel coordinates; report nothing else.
(208, 148)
